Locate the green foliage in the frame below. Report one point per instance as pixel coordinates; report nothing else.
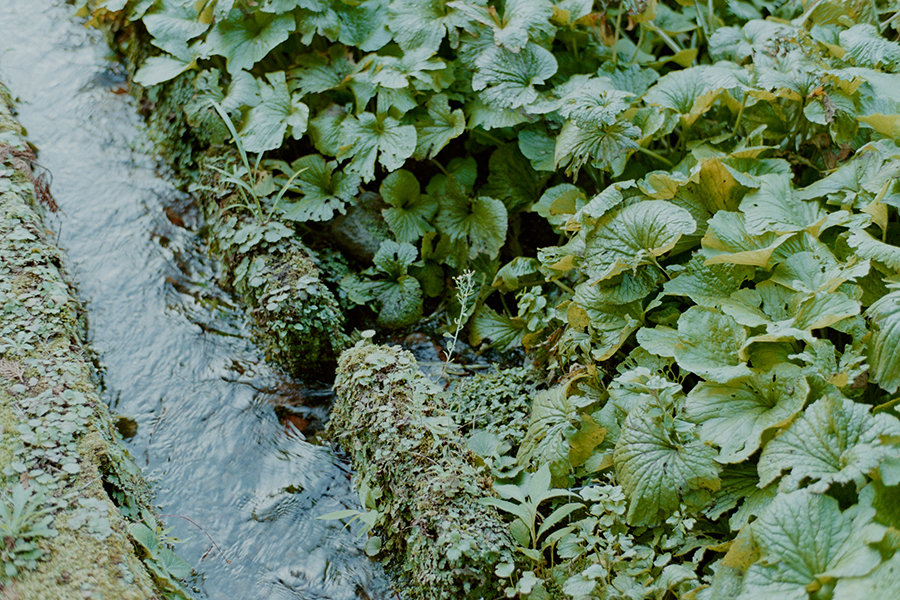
(719, 337)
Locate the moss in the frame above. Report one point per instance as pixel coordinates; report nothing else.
(58, 444)
(298, 318)
(435, 535)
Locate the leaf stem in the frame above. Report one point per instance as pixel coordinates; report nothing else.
(562, 286)
(658, 157)
(639, 42)
(740, 115)
(616, 38)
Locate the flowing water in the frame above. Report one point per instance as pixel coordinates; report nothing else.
(172, 347)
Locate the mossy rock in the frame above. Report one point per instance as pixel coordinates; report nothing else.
(431, 529)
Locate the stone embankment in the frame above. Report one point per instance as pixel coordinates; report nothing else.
(75, 516)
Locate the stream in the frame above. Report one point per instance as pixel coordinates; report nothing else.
(179, 369)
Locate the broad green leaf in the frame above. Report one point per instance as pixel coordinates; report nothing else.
(508, 78)
(320, 74)
(884, 358)
(326, 129)
(539, 148)
(869, 248)
(773, 208)
(635, 235)
(521, 20)
(553, 422)
(278, 112)
(607, 147)
(710, 187)
(323, 21)
(520, 272)
(512, 180)
(691, 92)
(283, 6)
(488, 117)
(410, 211)
(883, 582)
(400, 302)
(739, 487)
(368, 136)
(159, 69)
(595, 103)
(325, 190)
(709, 345)
(708, 285)
(364, 25)
(836, 440)
(609, 324)
(804, 540)
(728, 241)
(754, 37)
(734, 416)
(811, 272)
(438, 128)
(655, 468)
(505, 333)
(394, 259)
(480, 222)
(244, 41)
(423, 24)
(559, 203)
(172, 25)
(400, 72)
(174, 566)
(858, 182)
(866, 47)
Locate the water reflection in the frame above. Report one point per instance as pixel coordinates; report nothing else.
(196, 402)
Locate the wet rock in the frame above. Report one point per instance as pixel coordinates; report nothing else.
(359, 233)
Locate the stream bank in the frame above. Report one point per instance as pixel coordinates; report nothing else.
(76, 518)
(214, 429)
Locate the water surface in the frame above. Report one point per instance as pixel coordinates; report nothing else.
(172, 347)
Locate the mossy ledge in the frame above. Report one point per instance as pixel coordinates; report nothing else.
(75, 515)
(298, 319)
(416, 474)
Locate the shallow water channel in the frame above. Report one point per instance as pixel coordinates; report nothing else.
(173, 350)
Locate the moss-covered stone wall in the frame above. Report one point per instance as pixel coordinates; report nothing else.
(75, 516)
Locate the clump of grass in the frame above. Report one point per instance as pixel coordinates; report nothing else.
(23, 522)
(252, 199)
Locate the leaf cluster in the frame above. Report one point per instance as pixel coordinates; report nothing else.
(687, 212)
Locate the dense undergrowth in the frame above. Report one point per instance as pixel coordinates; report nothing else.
(685, 213)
